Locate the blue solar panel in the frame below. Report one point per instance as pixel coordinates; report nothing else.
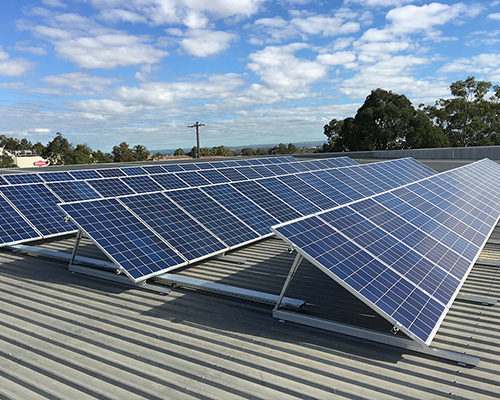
(313, 195)
(232, 174)
(214, 217)
(249, 173)
(39, 205)
(290, 196)
(254, 161)
(73, 191)
(111, 172)
(189, 167)
(3, 181)
(142, 184)
(406, 252)
(14, 228)
(214, 176)
(110, 187)
(172, 168)
(231, 164)
(205, 165)
(264, 171)
(85, 174)
(126, 240)
(169, 181)
(338, 162)
(334, 191)
(193, 178)
(242, 163)
(349, 177)
(292, 168)
(17, 179)
(277, 169)
(241, 206)
(269, 202)
(132, 171)
(179, 229)
(56, 176)
(311, 165)
(154, 169)
(265, 161)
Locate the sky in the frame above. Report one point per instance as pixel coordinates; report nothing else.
(253, 71)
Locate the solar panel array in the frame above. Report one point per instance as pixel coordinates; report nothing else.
(237, 212)
(406, 252)
(34, 196)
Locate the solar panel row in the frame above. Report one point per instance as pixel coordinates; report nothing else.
(406, 252)
(234, 213)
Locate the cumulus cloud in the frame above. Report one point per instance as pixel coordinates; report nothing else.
(205, 43)
(338, 58)
(105, 106)
(25, 47)
(495, 16)
(486, 64)
(109, 51)
(13, 66)
(80, 81)
(54, 3)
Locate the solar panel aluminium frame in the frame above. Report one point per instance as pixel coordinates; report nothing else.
(301, 254)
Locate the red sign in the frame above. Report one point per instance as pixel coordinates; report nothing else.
(40, 163)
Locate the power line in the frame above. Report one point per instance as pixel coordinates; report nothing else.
(197, 126)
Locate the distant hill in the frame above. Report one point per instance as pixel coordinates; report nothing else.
(252, 146)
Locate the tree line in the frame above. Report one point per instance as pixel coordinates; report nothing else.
(387, 121)
(223, 151)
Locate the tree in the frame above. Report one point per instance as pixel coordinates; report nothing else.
(82, 154)
(157, 156)
(292, 149)
(248, 151)
(179, 152)
(141, 153)
(219, 151)
(58, 151)
(469, 118)
(99, 157)
(37, 148)
(385, 121)
(122, 153)
(6, 161)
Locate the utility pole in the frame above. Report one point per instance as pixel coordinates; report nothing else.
(197, 126)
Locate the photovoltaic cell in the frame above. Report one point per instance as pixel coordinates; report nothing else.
(205, 165)
(241, 206)
(232, 174)
(154, 169)
(311, 165)
(169, 181)
(406, 252)
(213, 216)
(264, 171)
(111, 172)
(14, 228)
(3, 181)
(56, 176)
(73, 191)
(243, 163)
(193, 178)
(111, 187)
(132, 171)
(249, 173)
(277, 169)
(266, 200)
(18, 179)
(313, 195)
(39, 206)
(172, 168)
(142, 184)
(85, 174)
(179, 229)
(334, 191)
(214, 176)
(126, 240)
(189, 167)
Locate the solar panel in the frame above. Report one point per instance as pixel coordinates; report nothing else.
(232, 174)
(231, 230)
(18, 179)
(249, 173)
(14, 228)
(110, 187)
(334, 191)
(153, 169)
(205, 165)
(169, 181)
(214, 176)
(265, 161)
(193, 178)
(85, 174)
(230, 163)
(349, 177)
(39, 205)
(189, 167)
(338, 162)
(264, 171)
(312, 194)
(290, 196)
(241, 206)
(3, 181)
(289, 159)
(406, 253)
(132, 171)
(254, 161)
(277, 169)
(124, 238)
(242, 163)
(294, 167)
(178, 228)
(111, 172)
(56, 176)
(142, 184)
(73, 191)
(172, 167)
(311, 165)
(266, 200)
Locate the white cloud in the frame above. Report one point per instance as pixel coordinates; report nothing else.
(54, 3)
(280, 70)
(158, 94)
(205, 43)
(13, 66)
(105, 106)
(109, 51)
(380, 3)
(80, 81)
(24, 47)
(118, 15)
(495, 16)
(338, 58)
(325, 26)
(484, 64)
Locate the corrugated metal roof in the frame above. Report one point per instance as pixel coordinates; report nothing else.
(70, 336)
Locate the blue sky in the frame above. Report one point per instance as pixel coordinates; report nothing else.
(253, 71)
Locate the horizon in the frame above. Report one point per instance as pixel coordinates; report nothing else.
(255, 71)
